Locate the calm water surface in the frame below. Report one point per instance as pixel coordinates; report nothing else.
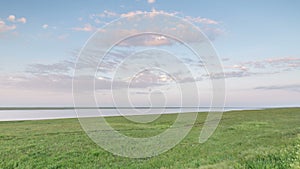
(14, 115)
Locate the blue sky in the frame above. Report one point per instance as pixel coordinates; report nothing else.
(258, 43)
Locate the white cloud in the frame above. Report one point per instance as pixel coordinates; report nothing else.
(107, 13)
(45, 26)
(86, 28)
(283, 60)
(4, 27)
(201, 20)
(239, 67)
(151, 13)
(110, 14)
(101, 17)
(131, 14)
(181, 30)
(209, 26)
(11, 18)
(22, 20)
(150, 1)
(262, 67)
(150, 40)
(276, 62)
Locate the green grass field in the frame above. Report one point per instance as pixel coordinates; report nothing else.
(244, 139)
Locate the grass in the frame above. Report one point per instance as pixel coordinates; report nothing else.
(244, 139)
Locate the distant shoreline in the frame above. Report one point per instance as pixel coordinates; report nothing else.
(170, 107)
(48, 113)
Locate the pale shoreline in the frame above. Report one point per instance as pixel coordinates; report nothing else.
(46, 113)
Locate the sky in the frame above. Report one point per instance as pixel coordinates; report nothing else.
(257, 43)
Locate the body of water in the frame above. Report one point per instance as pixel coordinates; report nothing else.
(11, 114)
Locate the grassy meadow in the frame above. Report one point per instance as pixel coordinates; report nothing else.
(267, 138)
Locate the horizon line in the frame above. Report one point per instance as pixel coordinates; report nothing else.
(128, 107)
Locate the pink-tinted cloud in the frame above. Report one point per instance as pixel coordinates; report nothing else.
(86, 28)
(22, 20)
(210, 27)
(152, 13)
(4, 27)
(11, 18)
(150, 1)
(147, 40)
(45, 26)
(262, 67)
(237, 67)
(107, 13)
(201, 20)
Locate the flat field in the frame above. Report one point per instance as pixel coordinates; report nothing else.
(267, 138)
